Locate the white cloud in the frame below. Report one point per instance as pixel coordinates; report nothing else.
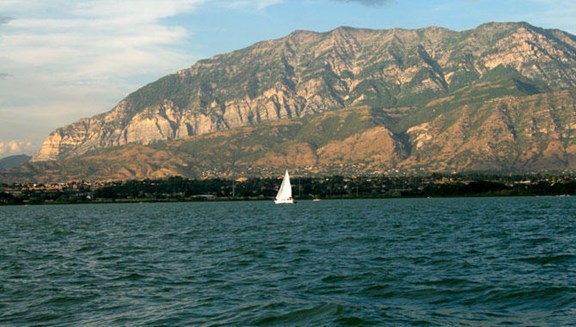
(16, 147)
(257, 4)
(368, 2)
(559, 13)
(96, 38)
(86, 55)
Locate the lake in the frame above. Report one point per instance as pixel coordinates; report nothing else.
(400, 262)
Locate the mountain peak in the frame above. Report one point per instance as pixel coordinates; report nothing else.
(505, 27)
(418, 75)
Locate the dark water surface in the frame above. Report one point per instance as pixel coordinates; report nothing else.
(477, 262)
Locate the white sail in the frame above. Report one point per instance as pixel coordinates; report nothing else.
(285, 192)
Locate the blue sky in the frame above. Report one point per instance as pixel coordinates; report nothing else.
(62, 60)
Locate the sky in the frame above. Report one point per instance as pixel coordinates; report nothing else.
(63, 60)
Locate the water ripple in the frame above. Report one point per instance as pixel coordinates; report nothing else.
(505, 261)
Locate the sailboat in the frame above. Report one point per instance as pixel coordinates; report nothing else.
(285, 192)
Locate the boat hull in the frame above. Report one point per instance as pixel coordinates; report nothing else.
(291, 201)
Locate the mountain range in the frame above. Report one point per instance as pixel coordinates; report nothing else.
(498, 98)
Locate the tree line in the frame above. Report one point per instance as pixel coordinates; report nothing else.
(184, 189)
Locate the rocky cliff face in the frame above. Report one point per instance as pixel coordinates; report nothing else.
(508, 134)
(512, 134)
(449, 97)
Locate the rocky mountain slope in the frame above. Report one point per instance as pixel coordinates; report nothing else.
(509, 134)
(499, 97)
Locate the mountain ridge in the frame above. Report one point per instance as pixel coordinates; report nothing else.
(14, 160)
(212, 94)
(427, 80)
